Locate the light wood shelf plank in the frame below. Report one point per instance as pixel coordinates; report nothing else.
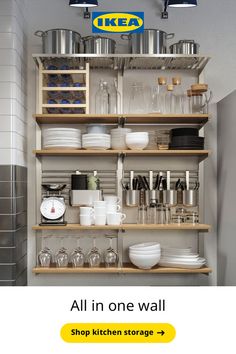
(126, 269)
(175, 227)
(199, 119)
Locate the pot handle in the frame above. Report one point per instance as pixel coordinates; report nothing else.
(40, 33)
(87, 37)
(170, 35)
(125, 37)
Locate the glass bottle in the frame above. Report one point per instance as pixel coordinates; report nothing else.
(115, 99)
(94, 181)
(102, 99)
(169, 100)
(137, 100)
(178, 96)
(162, 82)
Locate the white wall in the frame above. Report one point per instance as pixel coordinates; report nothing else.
(12, 84)
(226, 190)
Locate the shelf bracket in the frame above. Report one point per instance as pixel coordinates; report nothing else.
(122, 121)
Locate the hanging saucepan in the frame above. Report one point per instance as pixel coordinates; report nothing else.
(99, 45)
(186, 47)
(60, 41)
(151, 41)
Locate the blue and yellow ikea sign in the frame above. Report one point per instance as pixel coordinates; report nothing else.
(117, 22)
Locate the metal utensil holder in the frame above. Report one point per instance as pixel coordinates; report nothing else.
(190, 198)
(132, 198)
(153, 195)
(170, 197)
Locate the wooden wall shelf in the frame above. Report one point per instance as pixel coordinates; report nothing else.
(199, 119)
(126, 269)
(175, 227)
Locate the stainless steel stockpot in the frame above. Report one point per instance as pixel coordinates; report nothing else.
(185, 46)
(60, 41)
(151, 41)
(99, 45)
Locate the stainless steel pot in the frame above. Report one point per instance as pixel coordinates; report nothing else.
(186, 47)
(60, 41)
(99, 45)
(151, 41)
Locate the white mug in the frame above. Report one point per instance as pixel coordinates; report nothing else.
(115, 218)
(86, 220)
(99, 204)
(100, 211)
(111, 199)
(86, 211)
(113, 208)
(100, 220)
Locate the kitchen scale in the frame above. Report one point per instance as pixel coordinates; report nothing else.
(53, 205)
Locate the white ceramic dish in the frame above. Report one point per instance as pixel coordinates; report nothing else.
(145, 262)
(151, 252)
(145, 245)
(181, 265)
(96, 129)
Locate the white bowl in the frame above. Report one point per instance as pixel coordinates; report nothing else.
(145, 246)
(96, 129)
(137, 142)
(146, 261)
(144, 252)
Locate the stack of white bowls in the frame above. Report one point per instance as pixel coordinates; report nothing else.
(118, 138)
(145, 255)
(181, 258)
(137, 141)
(97, 141)
(64, 138)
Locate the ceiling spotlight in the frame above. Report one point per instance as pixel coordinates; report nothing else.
(177, 4)
(85, 5)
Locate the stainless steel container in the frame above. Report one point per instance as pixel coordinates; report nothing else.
(151, 41)
(186, 47)
(153, 195)
(60, 41)
(99, 45)
(170, 197)
(190, 198)
(132, 198)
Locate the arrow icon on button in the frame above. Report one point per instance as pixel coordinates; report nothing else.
(161, 333)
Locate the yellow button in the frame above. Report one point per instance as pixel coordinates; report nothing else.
(118, 332)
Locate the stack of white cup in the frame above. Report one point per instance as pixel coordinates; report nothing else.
(86, 216)
(103, 212)
(114, 216)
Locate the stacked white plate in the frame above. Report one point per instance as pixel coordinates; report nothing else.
(118, 138)
(181, 258)
(96, 141)
(145, 255)
(64, 138)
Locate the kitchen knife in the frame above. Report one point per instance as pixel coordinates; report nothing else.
(151, 179)
(131, 177)
(168, 180)
(146, 183)
(157, 181)
(187, 180)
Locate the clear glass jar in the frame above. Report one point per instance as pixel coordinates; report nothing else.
(102, 99)
(160, 214)
(169, 100)
(142, 215)
(152, 212)
(178, 94)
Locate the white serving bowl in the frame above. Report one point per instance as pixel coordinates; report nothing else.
(144, 252)
(146, 261)
(96, 129)
(146, 246)
(137, 141)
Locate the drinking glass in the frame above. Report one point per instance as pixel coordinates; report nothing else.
(77, 257)
(94, 257)
(62, 257)
(45, 256)
(142, 214)
(111, 257)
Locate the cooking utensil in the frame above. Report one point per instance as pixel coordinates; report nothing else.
(177, 184)
(135, 183)
(151, 41)
(141, 182)
(157, 182)
(187, 180)
(54, 187)
(151, 179)
(60, 41)
(147, 185)
(168, 180)
(190, 198)
(160, 185)
(131, 177)
(132, 198)
(164, 183)
(99, 45)
(185, 46)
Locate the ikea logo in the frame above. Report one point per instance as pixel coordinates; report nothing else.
(117, 22)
